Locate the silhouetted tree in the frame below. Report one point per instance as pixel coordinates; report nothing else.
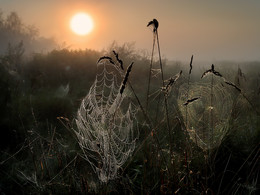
(13, 31)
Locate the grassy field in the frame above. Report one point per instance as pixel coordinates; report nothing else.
(194, 128)
(209, 145)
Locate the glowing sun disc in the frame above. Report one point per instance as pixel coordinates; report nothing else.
(81, 24)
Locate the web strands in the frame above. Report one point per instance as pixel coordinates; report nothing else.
(105, 131)
(199, 113)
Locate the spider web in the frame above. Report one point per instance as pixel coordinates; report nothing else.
(199, 119)
(106, 121)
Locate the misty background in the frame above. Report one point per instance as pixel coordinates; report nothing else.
(46, 71)
(14, 33)
(210, 30)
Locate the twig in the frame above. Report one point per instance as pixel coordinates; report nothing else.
(62, 169)
(224, 173)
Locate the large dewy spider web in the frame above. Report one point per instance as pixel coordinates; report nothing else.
(105, 123)
(198, 122)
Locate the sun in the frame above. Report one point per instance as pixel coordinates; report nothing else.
(81, 24)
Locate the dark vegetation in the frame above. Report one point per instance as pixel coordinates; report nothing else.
(13, 32)
(40, 96)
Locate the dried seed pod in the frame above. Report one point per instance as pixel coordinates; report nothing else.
(126, 77)
(212, 70)
(155, 24)
(106, 57)
(171, 81)
(190, 100)
(191, 60)
(118, 60)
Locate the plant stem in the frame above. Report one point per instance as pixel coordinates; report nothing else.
(149, 122)
(186, 121)
(211, 112)
(149, 78)
(165, 95)
(219, 187)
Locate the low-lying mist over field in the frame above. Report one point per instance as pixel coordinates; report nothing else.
(112, 106)
(222, 30)
(14, 33)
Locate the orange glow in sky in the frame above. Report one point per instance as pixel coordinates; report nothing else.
(81, 24)
(210, 30)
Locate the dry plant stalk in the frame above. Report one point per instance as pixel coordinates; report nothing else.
(155, 24)
(118, 60)
(211, 71)
(106, 57)
(233, 85)
(129, 68)
(190, 101)
(191, 60)
(151, 62)
(171, 81)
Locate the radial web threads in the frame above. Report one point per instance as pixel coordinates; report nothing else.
(199, 118)
(106, 122)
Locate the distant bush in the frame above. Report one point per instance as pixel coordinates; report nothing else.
(14, 31)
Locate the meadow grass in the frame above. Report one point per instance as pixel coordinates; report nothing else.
(197, 136)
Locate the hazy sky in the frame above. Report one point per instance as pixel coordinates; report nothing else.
(209, 29)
